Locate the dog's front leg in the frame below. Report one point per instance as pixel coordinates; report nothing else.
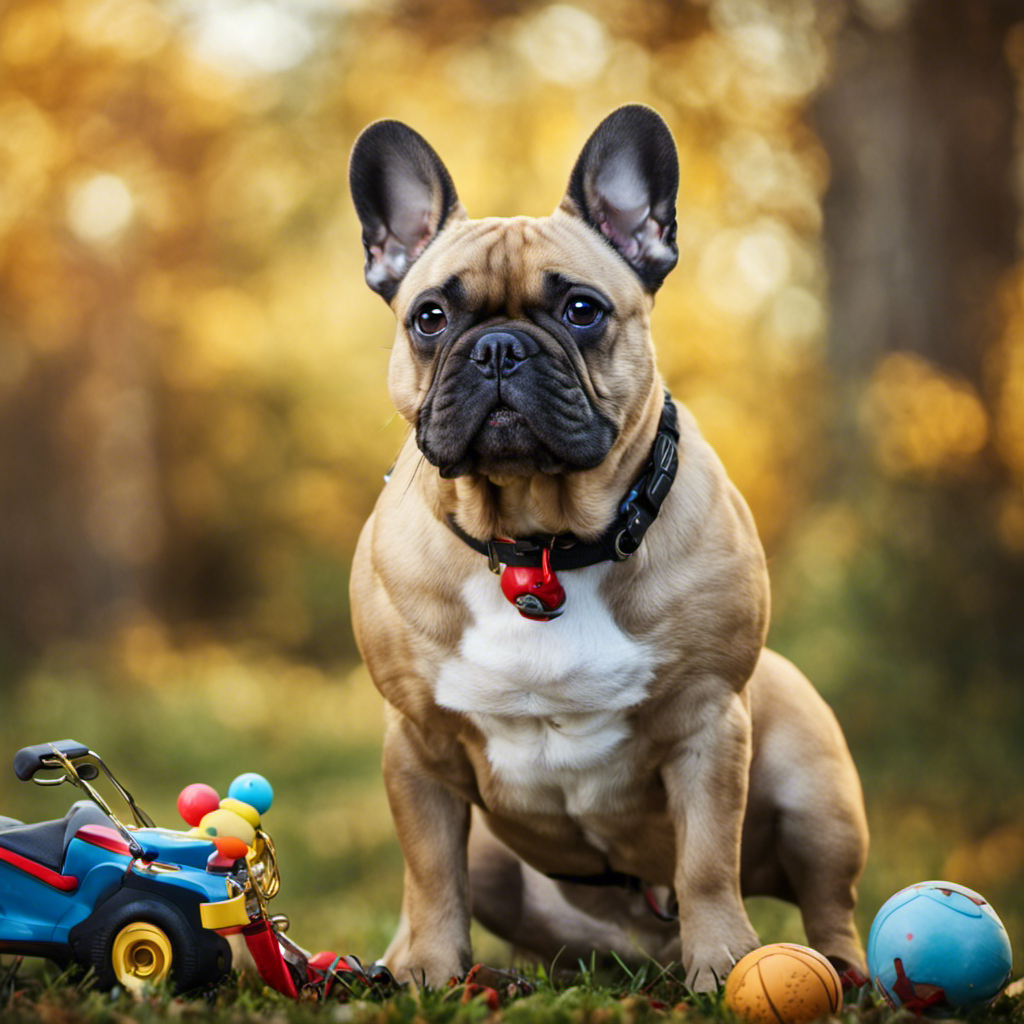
(706, 784)
(432, 943)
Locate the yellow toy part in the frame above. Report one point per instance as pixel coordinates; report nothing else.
(141, 954)
(223, 822)
(241, 808)
(227, 914)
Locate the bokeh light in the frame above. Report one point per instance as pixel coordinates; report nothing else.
(100, 208)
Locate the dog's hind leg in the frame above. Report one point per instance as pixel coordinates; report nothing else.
(804, 771)
(558, 922)
(822, 850)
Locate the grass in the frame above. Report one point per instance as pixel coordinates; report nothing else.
(163, 718)
(585, 998)
(654, 995)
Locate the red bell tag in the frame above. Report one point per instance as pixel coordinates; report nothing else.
(534, 590)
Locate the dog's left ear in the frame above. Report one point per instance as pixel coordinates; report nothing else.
(624, 184)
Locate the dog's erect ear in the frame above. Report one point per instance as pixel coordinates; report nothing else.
(624, 184)
(403, 195)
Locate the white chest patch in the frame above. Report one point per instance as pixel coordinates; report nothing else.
(552, 698)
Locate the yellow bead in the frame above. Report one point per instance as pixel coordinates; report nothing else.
(223, 822)
(240, 807)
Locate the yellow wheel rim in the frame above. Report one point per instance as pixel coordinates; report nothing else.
(141, 954)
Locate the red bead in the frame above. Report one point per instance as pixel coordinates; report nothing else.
(197, 800)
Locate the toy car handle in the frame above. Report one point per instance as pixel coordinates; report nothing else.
(30, 760)
(62, 754)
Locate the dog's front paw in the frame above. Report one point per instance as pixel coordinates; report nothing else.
(429, 958)
(425, 969)
(709, 964)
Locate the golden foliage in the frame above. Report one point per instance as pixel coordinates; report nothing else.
(176, 239)
(921, 419)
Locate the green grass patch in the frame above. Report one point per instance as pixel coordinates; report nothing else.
(648, 995)
(165, 718)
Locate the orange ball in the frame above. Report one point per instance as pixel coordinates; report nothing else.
(783, 983)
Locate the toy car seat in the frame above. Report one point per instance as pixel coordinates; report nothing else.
(47, 842)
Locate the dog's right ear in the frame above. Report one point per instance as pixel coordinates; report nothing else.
(403, 195)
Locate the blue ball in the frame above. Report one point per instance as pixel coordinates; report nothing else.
(938, 948)
(253, 790)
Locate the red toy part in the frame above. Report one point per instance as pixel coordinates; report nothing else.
(490, 995)
(853, 978)
(917, 998)
(325, 960)
(492, 986)
(218, 862)
(108, 839)
(197, 800)
(230, 848)
(261, 939)
(325, 966)
(54, 879)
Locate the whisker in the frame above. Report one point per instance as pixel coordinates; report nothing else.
(415, 471)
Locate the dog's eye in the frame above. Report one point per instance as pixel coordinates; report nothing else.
(430, 319)
(583, 312)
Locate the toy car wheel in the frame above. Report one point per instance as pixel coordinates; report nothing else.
(141, 954)
(143, 942)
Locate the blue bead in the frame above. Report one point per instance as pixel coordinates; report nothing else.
(252, 789)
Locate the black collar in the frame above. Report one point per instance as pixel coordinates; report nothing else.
(637, 512)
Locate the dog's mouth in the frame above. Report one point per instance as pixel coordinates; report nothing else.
(502, 416)
(505, 439)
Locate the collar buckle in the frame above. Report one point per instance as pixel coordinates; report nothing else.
(493, 561)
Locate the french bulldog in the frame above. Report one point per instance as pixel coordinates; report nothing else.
(563, 599)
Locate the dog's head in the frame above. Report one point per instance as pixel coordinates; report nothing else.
(523, 344)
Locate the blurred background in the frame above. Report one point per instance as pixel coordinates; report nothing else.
(194, 421)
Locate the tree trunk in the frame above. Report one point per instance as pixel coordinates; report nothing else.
(920, 218)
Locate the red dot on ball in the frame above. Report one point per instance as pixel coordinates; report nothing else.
(197, 800)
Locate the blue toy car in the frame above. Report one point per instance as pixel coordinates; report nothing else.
(137, 903)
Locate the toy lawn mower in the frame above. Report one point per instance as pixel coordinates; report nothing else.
(140, 904)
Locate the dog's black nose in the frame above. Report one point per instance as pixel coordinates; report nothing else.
(498, 353)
